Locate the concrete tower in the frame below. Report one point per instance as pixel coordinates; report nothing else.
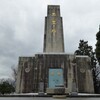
(53, 36)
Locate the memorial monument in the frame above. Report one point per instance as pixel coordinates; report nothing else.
(73, 71)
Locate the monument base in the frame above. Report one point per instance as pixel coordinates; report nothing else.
(55, 91)
(50, 91)
(73, 94)
(59, 96)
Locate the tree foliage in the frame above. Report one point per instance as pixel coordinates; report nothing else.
(6, 88)
(83, 48)
(98, 46)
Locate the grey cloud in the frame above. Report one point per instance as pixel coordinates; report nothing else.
(22, 27)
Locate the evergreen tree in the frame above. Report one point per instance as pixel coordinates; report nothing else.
(98, 46)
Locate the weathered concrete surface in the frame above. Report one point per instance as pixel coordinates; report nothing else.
(53, 35)
(25, 75)
(84, 74)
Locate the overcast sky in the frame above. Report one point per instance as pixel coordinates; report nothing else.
(22, 27)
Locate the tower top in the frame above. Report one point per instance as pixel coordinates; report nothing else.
(53, 10)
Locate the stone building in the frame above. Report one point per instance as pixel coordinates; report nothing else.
(34, 70)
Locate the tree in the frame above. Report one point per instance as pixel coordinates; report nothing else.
(97, 50)
(6, 88)
(85, 49)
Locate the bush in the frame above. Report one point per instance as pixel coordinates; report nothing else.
(6, 88)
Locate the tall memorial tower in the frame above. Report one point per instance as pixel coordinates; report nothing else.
(43, 71)
(53, 36)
